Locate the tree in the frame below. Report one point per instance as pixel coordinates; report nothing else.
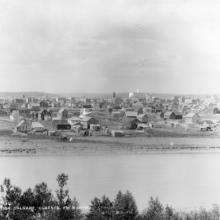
(170, 214)
(125, 206)
(62, 195)
(154, 211)
(42, 196)
(68, 209)
(11, 196)
(101, 209)
(77, 213)
(27, 198)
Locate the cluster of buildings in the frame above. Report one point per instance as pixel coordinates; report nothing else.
(111, 115)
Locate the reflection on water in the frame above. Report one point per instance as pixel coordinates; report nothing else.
(182, 180)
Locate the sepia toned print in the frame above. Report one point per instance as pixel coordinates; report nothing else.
(109, 110)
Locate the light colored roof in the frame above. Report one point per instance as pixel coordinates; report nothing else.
(85, 118)
(142, 115)
(131, 114)
(36, 124)
(167, 113)
(20, 123)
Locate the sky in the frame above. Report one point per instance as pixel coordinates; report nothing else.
(93, 46)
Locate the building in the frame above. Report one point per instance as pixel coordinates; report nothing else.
(191, 118)
(61, 124)
(173, 115)
(143, 118)
(131, 114)
(130, 123)
(44, 104)
(24, 126)
(86, 121)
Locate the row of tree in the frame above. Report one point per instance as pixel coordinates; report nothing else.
(40, 203)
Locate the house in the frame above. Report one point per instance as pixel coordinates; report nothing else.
(86, 121)
(191, 118)
(210, 118)
(130, 122)
(173, 115)
(37, 127)
(24, 126)
(157, 109)
(75, 124)
(44, 104)
(131, 114)
(143, 118)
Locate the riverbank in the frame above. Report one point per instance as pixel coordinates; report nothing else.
(36, 146)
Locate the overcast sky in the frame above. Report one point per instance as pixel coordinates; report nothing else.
(166, 46)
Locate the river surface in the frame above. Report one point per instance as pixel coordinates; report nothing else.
(183, 180)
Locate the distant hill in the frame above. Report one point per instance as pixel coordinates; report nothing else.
(92, 95)
(26, 94)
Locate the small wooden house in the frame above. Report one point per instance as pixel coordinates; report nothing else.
(173, 115)
(143, 118)
(86, 121)
(191, 118)
(24, 126)
(130, 123)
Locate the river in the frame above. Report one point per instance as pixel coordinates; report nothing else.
(184, 180)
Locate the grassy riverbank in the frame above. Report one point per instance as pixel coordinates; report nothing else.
(24, 146)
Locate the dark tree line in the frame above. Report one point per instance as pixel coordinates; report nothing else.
(39, 203)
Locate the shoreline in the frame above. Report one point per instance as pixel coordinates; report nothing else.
(99, 145)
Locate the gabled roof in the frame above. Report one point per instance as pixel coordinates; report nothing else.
(168, 113)
(177, 113)
(36, 124)
(20, 123)
(85, 118)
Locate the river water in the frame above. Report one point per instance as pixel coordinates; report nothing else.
(185, 180)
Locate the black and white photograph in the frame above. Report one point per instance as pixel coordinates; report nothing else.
(109, 110)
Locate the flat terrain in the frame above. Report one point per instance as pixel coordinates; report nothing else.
(35, 145)
(24, 146)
